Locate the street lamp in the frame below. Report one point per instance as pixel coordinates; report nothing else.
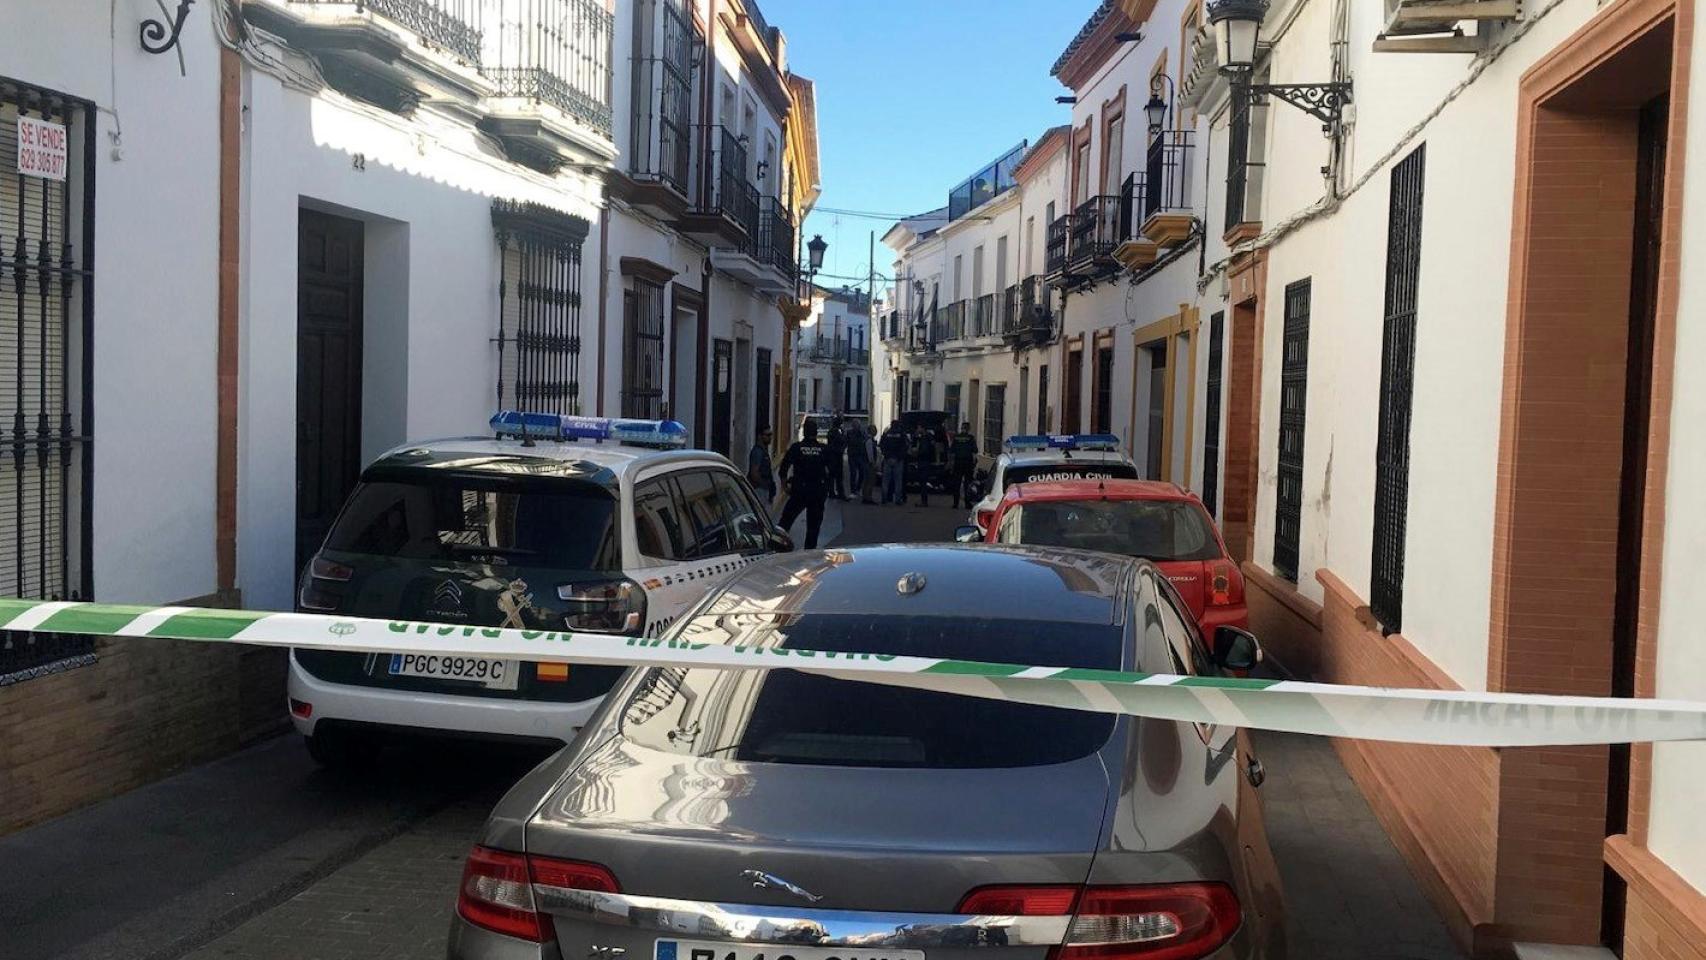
(1237, 26)
(1157, 110)
(814, 253)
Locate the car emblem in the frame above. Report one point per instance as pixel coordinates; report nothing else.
(513, 601)
(341, 629)
(769, 881)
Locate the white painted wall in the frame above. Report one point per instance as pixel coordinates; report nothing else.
(155, 286)
(1460, 339)
(1679, 770)
(426, 195)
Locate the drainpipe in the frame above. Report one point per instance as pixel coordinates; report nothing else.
(603, 300)
(702, 350)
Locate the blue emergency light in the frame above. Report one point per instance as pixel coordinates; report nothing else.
(551, 426)
(1062, 441)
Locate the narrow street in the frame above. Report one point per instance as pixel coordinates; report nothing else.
(263, 855)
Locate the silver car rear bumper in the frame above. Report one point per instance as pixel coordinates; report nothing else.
(746, 923)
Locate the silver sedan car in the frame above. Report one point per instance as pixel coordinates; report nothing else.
(705, 814)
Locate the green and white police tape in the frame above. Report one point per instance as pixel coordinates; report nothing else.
(1370, 713)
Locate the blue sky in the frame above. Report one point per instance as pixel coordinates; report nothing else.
(916, 95)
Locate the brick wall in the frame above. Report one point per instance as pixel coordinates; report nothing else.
(143, 710)
(1666, 917)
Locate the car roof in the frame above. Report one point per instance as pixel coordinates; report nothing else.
(604, 462)
(1077, 586)
(1098, 490)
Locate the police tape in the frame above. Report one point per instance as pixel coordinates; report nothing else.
(1446, 717)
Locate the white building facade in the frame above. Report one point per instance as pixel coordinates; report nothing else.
(833, 351)
(973, 315)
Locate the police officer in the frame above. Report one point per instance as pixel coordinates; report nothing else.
(962, 458)
(805, 471)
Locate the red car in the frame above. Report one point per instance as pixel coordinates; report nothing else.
(1140, 518)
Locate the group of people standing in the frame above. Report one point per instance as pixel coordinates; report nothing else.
(850, 458)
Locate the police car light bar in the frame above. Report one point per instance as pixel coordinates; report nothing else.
(1063, 441)
(551, 426)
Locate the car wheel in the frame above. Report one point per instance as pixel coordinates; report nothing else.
(341, 750)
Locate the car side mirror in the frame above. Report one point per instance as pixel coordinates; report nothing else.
(967, 534)
(1236, 650)
(780, 541)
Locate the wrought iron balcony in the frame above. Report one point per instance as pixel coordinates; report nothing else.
(554, 52)
(1167, 216)
(982, 316)
(1033, 322)
(776, 236)
(1245, 169)
(1059, 236)
(1098, 225)
(391, 53)
(894, 325)
(1009, 310)
(727, 211)
(660, 149)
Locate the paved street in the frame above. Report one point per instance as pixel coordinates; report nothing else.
(262, 855)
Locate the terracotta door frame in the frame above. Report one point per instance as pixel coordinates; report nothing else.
(1561, 427)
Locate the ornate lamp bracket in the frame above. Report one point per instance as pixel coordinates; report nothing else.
(155, 31)
(1323, 101)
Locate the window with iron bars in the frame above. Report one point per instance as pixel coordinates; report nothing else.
(539, 307)
(642, 350)
(1397, 381)
(1294, 393)
(46, 239)
(661, 131)
(1245, 166)
(1211, 415)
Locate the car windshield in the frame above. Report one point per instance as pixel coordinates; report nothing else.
(783, 716)
(1160, 530)
(569, 525)
(1067, 470)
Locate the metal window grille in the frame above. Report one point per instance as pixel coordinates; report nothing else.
(1167, 173)
(994, 418)
(539, 307)
(951, 404)
(1211, 415)
(1294, 392)
(642, 351)
(46, 259)
(1397, 373)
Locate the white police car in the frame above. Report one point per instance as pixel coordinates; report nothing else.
(1036, 458)
(559, 523)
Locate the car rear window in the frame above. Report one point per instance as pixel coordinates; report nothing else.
(1160, 530)
(1045, 472)
(567, 524)
(784, 716)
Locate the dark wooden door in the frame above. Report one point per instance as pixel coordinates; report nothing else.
(761, 406)
(722, 390)
(328, 373)
(1074, 399)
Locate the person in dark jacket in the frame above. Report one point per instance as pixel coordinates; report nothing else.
(894, 448)
(925, 452)
(858, 462)
(962, 462)
(758, 469)
(805, 471)
(835, 445)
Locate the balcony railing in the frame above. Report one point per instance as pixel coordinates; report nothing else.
(732, 195)
(982, 316)
(1033, 314)
(1009, 310)
(1059, 235)
(1167, 185)
(451, 25)
(555, 52)
(1096, 229)
(661, 142)
(775, 236)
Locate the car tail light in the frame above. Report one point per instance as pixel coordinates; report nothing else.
(605, 606)
(322, 587)
(496, 894)
(301, 708)
(497, 890)
(1225, 584)
(984, 519)
(1180, 921)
